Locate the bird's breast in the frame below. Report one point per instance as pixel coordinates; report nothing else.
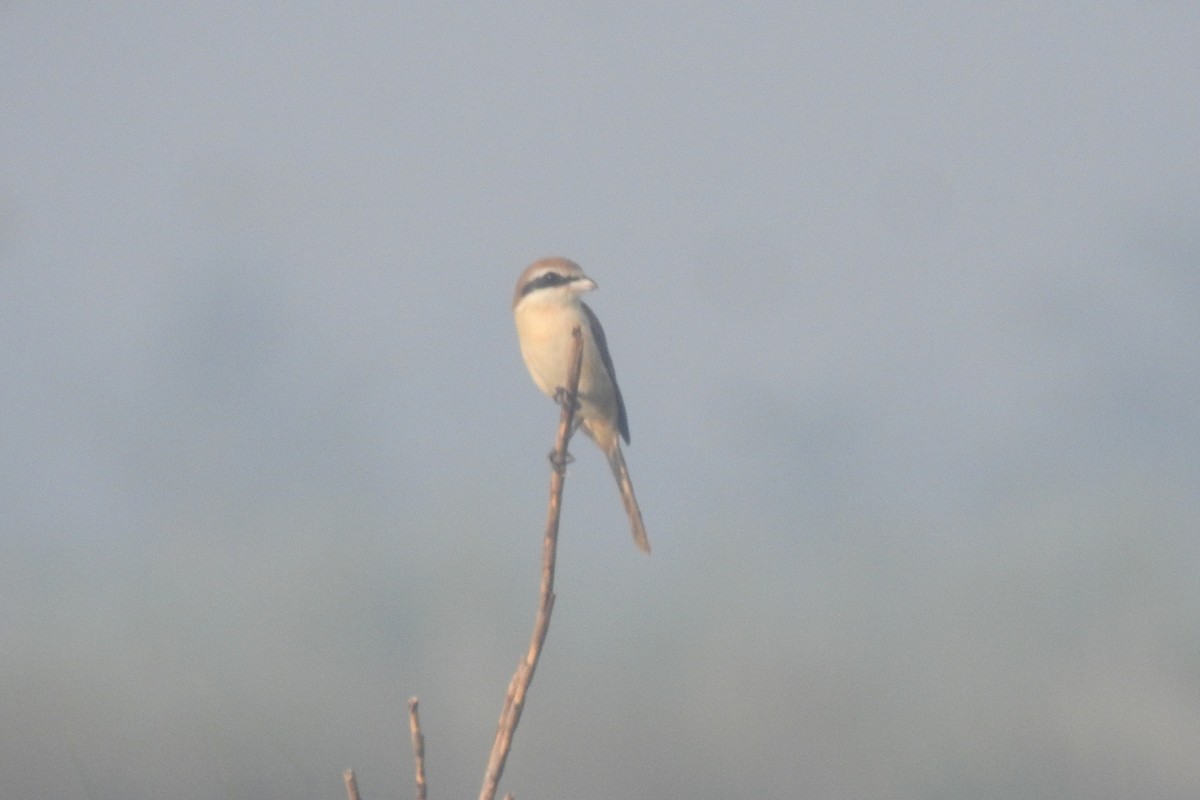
(544, 332)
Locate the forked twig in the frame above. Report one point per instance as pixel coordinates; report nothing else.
(514, 700)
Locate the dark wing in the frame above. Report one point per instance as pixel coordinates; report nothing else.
(602, 346)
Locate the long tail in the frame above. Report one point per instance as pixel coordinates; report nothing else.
(616, 460)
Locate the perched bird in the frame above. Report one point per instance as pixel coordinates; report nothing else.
(547, 308)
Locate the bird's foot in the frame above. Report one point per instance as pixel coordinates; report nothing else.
(561, 396)
(560, 464)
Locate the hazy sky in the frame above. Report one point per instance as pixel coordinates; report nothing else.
(904, 303)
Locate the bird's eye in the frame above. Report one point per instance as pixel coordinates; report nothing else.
(546, 280)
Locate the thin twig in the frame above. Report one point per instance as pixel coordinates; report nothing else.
(418, 745)
(351, 785)
(514, 700)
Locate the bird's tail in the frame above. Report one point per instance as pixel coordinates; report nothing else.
(616, 460)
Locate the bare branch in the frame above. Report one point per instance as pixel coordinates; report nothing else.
(514, 700)
(418, 745)
(351, 785)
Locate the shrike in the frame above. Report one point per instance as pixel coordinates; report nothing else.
(547, 307)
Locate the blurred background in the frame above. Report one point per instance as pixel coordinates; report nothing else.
(904, 302)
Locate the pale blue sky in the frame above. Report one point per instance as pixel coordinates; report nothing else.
(905, 305)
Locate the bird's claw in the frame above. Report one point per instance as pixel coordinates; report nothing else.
(561, 395)
(560, 464)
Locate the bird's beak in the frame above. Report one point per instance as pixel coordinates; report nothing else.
(584, 285)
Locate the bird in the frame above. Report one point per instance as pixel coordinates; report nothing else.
(546, 308)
